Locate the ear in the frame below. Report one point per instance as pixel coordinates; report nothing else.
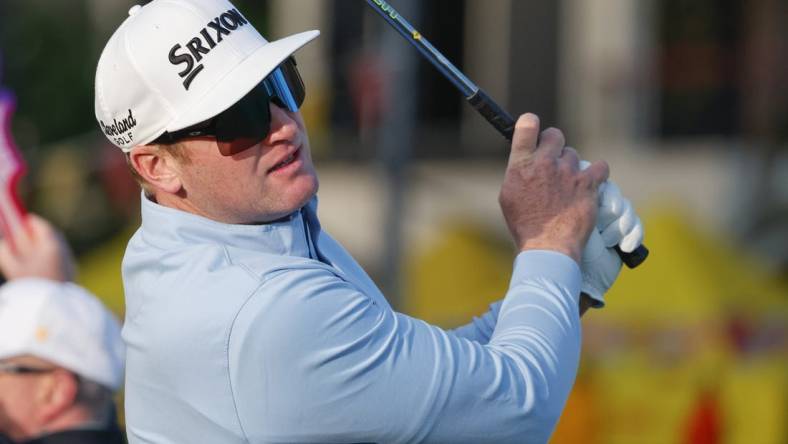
(158, 169)
(56, 394)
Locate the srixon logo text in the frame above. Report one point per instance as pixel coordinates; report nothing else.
(210, 36)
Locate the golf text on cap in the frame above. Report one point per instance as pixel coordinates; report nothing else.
(120, 131)
(222, 25)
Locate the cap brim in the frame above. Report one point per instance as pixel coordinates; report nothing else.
(241, 80)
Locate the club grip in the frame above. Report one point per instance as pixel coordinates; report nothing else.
(504, 123)
(634, 258)
(494, 114)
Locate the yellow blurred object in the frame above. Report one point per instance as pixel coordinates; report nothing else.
(692, 343)
(458, 276)
(693, 312)
(691, 276)
(758, 391)
(99, 271)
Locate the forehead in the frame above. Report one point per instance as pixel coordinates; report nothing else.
(26, 360)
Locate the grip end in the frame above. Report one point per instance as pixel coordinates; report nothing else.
(635, 258)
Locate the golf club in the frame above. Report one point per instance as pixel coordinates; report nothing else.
(474, 95)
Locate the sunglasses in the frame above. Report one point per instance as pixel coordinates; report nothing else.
(20, 369)
(248, 121)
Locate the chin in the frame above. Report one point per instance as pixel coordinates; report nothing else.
(308, 191)
(297, 196)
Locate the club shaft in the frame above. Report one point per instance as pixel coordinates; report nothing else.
(460, 81)
(484, 104)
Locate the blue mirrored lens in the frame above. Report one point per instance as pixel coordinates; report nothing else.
(278, 88)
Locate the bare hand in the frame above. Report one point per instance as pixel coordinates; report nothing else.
(547, 201)
(38, 251)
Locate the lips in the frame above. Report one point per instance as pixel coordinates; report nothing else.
(286, 160)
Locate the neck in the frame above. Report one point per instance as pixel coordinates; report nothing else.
(239, 218)
(182, 204)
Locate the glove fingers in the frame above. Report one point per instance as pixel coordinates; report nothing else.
(632, 239)
(611, 205)
(613, 233)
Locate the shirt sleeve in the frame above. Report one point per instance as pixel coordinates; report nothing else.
(481, 328)
(311, 359)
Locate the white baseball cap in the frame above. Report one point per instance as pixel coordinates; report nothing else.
(175, 63)
(64, 324)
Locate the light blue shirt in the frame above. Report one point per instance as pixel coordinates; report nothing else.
(274, 334)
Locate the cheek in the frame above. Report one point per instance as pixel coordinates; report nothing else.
(16, 409)
(212, 177)
(228, 183)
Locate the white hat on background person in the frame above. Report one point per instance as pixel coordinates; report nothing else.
(64, 324)
(160, 75)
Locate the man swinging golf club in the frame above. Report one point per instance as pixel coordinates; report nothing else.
(246, 322)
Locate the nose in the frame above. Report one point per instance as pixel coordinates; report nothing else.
(284, 127)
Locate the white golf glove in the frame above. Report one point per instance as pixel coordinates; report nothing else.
(616, 224)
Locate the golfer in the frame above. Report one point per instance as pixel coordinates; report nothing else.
(247, 323)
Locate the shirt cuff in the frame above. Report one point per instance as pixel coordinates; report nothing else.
(547, 264)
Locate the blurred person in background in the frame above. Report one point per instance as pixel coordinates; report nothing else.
(39, 251)
(61, 354)
(245, 322)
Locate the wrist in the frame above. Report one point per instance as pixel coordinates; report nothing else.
(535, 244)
(550, 265)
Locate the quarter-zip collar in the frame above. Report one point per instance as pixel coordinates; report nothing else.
(294, 235)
